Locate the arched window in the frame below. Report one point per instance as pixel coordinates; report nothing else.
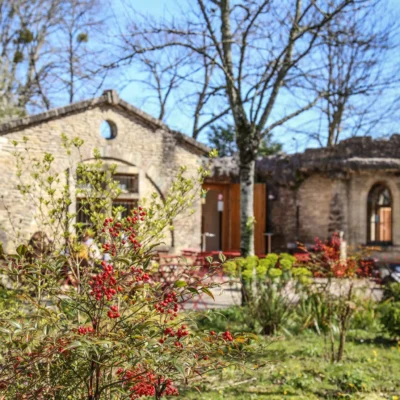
(379, 215)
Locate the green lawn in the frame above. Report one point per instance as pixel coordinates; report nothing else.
(298, 368)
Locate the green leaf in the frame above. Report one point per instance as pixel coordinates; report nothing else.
(207, 292)
(193, 290)
(180, 284)
(15, 324)
(21, 250)
(124, 260)
(222, 257)
(180, 368)
(73, 345)
(209, 260)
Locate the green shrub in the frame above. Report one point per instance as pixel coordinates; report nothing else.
(272, 286)
(366, 317)
(392, 292)
(312, 312)
(391, 318)
(7, 300)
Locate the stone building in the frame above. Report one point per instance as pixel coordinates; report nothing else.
(353, 187)
(147, 154)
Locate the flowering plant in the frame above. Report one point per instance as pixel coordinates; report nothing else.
(114, 330)
(340, 279)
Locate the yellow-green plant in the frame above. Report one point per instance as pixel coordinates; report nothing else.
(274, 285)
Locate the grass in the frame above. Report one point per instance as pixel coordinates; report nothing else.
(299, 368)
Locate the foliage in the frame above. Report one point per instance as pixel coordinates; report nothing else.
(334, 297)
(8, 300)
(273, 286)
(392, 291)
(222, 138)
(390, 309)
(367, 316)
(102, 325)
(234, 318)
(391, 318)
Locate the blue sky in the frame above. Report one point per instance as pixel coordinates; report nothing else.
(137, 94)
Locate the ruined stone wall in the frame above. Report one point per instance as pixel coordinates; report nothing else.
(328, 204)
(314, 200)
(136, 146)
(303, 213)
(360, 185)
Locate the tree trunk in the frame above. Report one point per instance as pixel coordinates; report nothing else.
(342, 341)
(246, 172)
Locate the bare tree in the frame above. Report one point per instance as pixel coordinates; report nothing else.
(35, 36)
(356, 74)
(79, 49)
(260, 51)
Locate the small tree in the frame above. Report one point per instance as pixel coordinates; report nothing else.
(335, 293)
(115, 331)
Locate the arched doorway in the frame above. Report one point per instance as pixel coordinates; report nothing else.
(379, 215)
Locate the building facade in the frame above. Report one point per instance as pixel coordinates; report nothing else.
(147, 153)
(352, 188)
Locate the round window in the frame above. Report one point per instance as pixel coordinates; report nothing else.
(108, 130)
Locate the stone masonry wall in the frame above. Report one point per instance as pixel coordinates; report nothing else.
(136, 146)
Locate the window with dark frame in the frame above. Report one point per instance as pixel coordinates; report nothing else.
(128, 183)
(379, 215)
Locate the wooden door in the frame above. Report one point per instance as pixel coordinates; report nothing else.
(210, 217)
(260, 214)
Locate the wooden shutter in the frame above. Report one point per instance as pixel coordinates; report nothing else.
(385, 224)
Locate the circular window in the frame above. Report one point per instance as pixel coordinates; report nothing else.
(108, 130)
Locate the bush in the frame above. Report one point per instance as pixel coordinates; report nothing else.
(115, 331)
(391, 318)
(392, 292)
(273, 287)
(334, 303)
(366, 316)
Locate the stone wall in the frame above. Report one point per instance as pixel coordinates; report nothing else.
(138, 145)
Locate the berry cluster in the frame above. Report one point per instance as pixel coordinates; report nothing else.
(227, 336)
(84, 330)
(145, 384)
(169, 305)
(180, 333)
(126, 229)
(110, 248)
(105, 284)
(113, 312)
(141, 276)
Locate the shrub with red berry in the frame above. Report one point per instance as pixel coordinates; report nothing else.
(116, 331)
